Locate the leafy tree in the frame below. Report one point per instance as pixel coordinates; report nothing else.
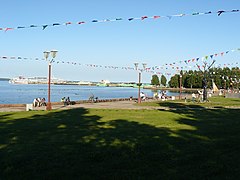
(222, 77)
(155, 80)
(174, 81)
(188, 82)
(199, 80)
(163, 80)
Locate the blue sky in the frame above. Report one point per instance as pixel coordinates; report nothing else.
(120, 43)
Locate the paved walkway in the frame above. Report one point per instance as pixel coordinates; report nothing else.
(102, 105)
(99, 105)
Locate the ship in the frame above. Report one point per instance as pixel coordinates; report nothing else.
(18, 80)
(34, 80)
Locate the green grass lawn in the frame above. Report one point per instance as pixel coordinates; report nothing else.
(120, 144)
(213, 102)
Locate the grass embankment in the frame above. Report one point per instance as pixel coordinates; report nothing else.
(213, 102)
(120, 144)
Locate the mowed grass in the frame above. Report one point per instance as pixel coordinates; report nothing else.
(213, 102)
(120, 144)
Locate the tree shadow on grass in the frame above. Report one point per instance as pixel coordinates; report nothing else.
(5, 116)
(218, 133)
(237, 100)
(77, 144)
(179, 105)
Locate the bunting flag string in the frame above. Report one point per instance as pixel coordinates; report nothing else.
(174, 66)
(188, 63)
(142, 18)
(65, 62)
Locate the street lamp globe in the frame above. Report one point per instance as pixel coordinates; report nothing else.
(46, 54)
(54, 53)
(136, 65)
(144, 65)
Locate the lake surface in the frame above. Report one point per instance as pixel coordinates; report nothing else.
(25, 93)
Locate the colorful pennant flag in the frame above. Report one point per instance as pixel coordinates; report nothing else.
(220, 12)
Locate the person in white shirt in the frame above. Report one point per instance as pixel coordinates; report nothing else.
(143, 97)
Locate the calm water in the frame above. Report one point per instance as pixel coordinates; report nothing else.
(23, 94)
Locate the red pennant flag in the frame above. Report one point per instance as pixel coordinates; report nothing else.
(67, 23)
(81, 22)
(156, 17)
(222, 53)
(7, 29)
(144, 17)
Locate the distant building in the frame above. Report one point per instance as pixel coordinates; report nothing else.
(105, 81)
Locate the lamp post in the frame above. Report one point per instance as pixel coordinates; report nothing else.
(46, 55)
(180, 87)
(225, 86)
(139, 78)
(236, 81)
(224, 78)
(231, 85)
(238, 86)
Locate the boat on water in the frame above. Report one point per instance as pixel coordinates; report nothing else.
(18, 80)
(34, 80)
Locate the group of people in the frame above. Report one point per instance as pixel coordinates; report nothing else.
(161, 95)
(66, 101)
(197, 97)
(37, 102)
(93, 99)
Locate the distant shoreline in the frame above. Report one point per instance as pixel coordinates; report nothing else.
(117, 85)
(4, 79)
(176, 89)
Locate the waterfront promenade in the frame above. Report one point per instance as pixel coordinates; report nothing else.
(121, 104)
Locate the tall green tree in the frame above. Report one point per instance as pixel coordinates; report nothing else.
(222, 77)
(155, 80)
(174, 81)
(163, 80)
(188, 83)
